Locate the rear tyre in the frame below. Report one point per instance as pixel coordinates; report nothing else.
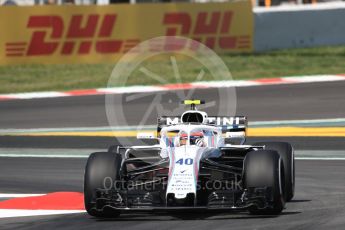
(286, 152)
(101, 169)
(113, 148)
(264, 168)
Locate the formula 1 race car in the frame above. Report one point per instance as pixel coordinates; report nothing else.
(199, 163)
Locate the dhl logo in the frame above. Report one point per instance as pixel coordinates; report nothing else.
(210, 28)
(83, 34)
(49, 31)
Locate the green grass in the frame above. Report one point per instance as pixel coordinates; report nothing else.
(294, 62)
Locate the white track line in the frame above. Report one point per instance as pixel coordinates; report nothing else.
(6, 213)
(86, 156)
(43, 156)
(203, 85)
(321, 158)
(11, 195)
(297, 122)
(153, 127)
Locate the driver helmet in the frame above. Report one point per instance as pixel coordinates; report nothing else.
(197, 138)
(183, 137)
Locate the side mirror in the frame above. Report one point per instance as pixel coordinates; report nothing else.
(146, 136)
(235, 138)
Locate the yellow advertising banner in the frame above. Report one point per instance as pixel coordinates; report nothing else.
(94, 34)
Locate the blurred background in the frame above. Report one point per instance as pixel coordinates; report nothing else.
(266, 3)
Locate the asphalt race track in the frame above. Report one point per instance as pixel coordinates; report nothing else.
(320, 189)
(275, 102)
(318, 204)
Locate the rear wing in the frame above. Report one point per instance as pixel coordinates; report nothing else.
(230, 125)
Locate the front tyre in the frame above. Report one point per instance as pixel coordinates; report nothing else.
(286, 152)
(100, 166)
(265, 169)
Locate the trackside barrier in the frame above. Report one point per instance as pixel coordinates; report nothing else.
(94, 34)
(299, 26)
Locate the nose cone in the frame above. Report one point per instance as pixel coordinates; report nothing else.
(184, 169)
